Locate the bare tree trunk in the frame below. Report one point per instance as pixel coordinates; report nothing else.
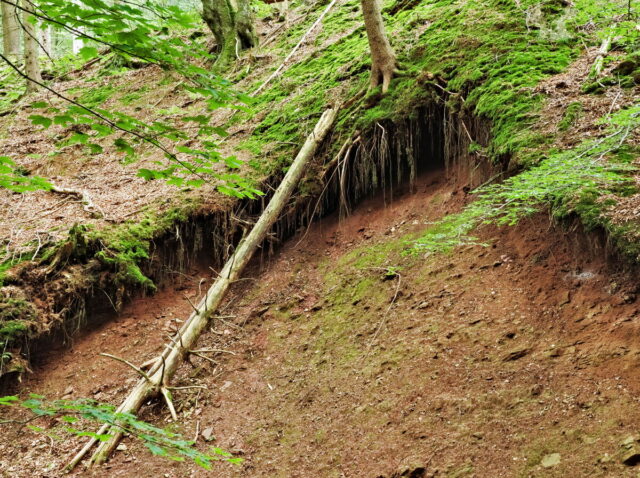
(10, 31)
(232, 24)
(383, 59)
(157, 379)
(31, 51)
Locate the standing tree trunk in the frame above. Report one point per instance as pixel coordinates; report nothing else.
(383, 59)
(232, 23)
(10, 31)
(31, 47)
(46, 40)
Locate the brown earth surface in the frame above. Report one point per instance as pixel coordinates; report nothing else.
(348, 358)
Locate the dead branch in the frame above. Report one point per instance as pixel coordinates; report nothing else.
(598, 65)
(84, 198)
(126, 362)
(174, 354)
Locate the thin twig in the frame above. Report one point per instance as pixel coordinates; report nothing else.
(126, 362)
(219, 351)
(166, 393)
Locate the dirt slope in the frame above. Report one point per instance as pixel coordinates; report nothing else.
(348, 358)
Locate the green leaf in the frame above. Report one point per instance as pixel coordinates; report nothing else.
(40, 120)
(77, 138)
(155, 449)
(101, 129)
(147, 174)
(88, 52)
(63, 120)
(123, 145)
(9, 400)
(95, 148)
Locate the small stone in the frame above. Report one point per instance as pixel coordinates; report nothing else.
(207, 434)
(121, 447)
(550, 460)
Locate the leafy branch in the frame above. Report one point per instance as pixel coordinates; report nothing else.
(159, 441)
(130, 31)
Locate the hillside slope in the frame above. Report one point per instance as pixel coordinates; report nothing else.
(414, 331)
(483, 61)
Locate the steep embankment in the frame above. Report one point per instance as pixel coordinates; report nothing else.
(342, 356)
(479, 63)
(350, 356)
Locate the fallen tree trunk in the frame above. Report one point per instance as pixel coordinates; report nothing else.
(598, 65)
(156, 380)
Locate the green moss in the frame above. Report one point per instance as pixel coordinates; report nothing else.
(126, 246)
(484, 51)
(571, 115)
(599, 86)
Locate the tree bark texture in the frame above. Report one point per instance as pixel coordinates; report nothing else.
(31, 50)
(166, 365)
(383, 58)
(46, 36)
(232, 24)
(10, 31)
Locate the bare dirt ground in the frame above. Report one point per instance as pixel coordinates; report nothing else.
(349, 359)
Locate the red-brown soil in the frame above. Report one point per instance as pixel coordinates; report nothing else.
(352, 359)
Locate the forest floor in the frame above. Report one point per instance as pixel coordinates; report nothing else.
(342, 355)
(347, 358)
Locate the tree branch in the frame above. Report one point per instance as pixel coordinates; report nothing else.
(112, 124)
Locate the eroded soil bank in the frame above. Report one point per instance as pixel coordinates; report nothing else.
(348, 358)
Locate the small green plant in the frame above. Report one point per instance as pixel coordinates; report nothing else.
(561, 181)
(159, 441)
(17, 179)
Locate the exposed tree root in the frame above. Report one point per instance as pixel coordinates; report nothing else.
(84, 197)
